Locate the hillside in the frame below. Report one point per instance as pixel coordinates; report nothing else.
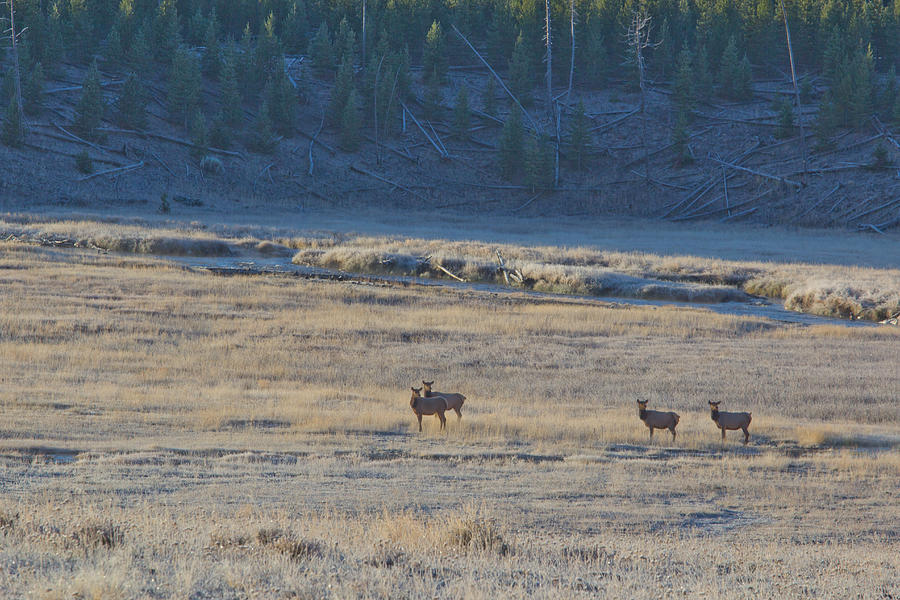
(839, 189)
(702, 121)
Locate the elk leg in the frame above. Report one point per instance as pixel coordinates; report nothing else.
(651, 432)
(419, 416)
(458, 414)
(672, 429)
(723, 434)
(443, 420)
(746, 435)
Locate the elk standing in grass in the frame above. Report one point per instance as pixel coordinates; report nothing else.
(428, 406)
(454, 401)
(730, 420)
(657, 419)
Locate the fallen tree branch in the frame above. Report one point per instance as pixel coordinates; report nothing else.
(820, 201)
(778, 178)
(137, 165)
(313, 141)
(359, 169)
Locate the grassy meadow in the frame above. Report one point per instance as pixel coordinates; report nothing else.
(172, 433)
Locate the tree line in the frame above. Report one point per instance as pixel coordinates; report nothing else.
(701, 48)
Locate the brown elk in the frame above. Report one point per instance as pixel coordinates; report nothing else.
(454, 401)
(428, 406)
(657, 419)
(730, 420)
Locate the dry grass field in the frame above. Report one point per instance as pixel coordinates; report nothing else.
(169, 433)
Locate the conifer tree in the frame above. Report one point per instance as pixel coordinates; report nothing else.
(321, 52)
(684, 82)
(140, 56)
(132, 104)
(592, 60)
(33, 89)
(539, 162)
(89, 112)
(13, 133)
(730, 71)
(785, 118)
(896, 112)
(212, 55)
(680, 139)
(521, 72)
(350, 123)
(433, 96)
(199, 135)
(511, 145)
(295, 28)
(115, 53)
(166, 30)
(232, 111)
(461, 116)
(282, 103)
(184, 84)
(344, 41)
(220, 134)
(434, 58)
(268, 53)
(579, 136)
(262, 137)
(248, 77)
(489, 100)
(703, 79)
(54, 47)
(343, 85)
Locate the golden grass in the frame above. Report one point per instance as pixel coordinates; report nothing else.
(169, 433)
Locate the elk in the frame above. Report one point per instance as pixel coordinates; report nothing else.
(730, 420)
(454, 401)
(428, 406)
(657, 419)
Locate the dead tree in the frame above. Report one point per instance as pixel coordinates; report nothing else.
(13, 35)
(572, 57)
(787, 33)
(638, 39)
(549, 58)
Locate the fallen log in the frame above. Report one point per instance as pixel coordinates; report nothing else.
(137, 165)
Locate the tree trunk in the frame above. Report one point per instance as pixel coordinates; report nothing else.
(787, 32)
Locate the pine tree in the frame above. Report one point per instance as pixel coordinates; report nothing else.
(785, 119)
(89, 112)
(489, 99)
(344, 41)
(115, 53)
(268, 53)
(132, 104)
(434, 58)
(350, 123)
(232, 111)
(295, 28)
(184, 84)
(33, 89)
(461, 115)
(579, 136)
(343, 86)
(140, 56)
(321, 52)
(433, 96)
(199, 135)
(861, 100)
(521, 72)
(684, 82)
(730, 71)
(680, 139)
(166, 30)
(13, 134)
(591, 58)
(212, 55)
(262, 138)
(511, 145)
(220, 135)
(703, 79)
(248, 78)
(539, 162)
(282, 103)
(55, 46)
